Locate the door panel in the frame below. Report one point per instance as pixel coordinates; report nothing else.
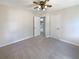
(36, 26)
(55, 26)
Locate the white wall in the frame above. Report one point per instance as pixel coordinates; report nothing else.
(15, 24)
(65, 25)
(47, 25)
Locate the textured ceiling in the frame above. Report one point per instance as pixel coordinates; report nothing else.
(57, 4)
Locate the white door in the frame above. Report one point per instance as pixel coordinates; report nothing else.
(56, 26)
(36, 26)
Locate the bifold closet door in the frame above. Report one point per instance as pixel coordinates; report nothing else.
(36, 26)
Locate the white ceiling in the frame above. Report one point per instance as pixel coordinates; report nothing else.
(57, 4)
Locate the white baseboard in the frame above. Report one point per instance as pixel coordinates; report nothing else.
(69, 42)
(9, 43)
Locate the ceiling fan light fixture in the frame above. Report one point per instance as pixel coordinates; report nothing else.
(44, 9)
(39, 6)
(39, 9)
(42, 5)
(45, 6)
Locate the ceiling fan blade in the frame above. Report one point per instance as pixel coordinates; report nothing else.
(46, 1)
(35, 7)
(36, 3)
(49, 5)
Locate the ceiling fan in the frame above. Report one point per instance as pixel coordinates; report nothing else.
(42, 4)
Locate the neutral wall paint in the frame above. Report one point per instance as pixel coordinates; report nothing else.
(47, 25)
(65, 25)
(15, 24)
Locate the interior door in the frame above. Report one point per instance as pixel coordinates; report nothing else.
(36, 26)
(56, 26)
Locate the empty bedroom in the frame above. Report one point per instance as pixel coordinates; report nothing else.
(39, 29)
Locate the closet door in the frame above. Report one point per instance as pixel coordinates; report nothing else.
(56, 26)
(36, 26)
